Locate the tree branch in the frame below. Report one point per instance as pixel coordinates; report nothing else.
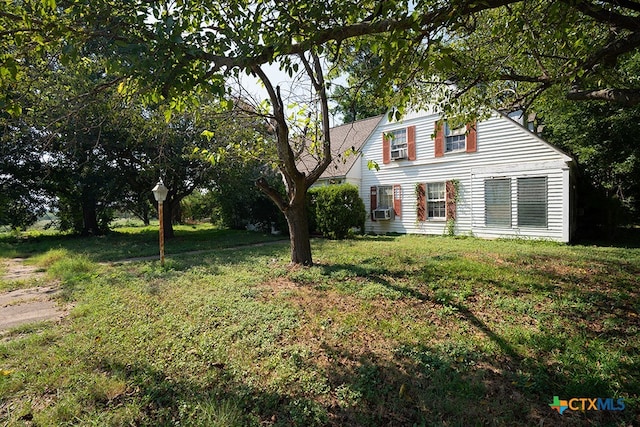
(611, 52)
(629, 22)
(317, 78)
(433, 19)
(285, 154)
(276, 197)
(624, 97)
(625, 4)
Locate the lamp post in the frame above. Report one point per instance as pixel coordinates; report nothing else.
(160, 194)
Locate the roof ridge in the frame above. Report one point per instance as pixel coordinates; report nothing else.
(359, 120)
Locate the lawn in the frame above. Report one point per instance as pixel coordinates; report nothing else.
(383, 330)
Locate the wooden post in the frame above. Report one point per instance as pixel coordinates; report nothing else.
(161, 219)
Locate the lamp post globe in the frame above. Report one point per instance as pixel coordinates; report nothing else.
(160, 192)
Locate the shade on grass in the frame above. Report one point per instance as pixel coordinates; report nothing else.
(382, 331)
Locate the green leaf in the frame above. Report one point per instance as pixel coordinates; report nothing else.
(14, 109)
(207, 134)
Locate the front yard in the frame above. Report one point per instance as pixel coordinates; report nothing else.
(381, 331)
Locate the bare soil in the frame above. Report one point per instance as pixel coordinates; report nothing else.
(17, 270)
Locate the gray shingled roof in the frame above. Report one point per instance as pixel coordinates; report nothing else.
(348, 136)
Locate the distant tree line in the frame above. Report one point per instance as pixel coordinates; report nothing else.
(86, 154)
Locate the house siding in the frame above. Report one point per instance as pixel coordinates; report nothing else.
(504, 149)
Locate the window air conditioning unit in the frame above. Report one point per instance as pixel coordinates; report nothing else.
(382, 214)
(398, 153)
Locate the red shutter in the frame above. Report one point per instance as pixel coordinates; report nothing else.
(397, 200)
(450, 190)
(373, 204)
(472, 136)
(411, 142)
(386, 149)
(439, 141)
(421, 200)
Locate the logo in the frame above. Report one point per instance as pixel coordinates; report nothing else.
(559, 405)
(587, 404)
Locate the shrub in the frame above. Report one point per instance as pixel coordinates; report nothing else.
(335, 209)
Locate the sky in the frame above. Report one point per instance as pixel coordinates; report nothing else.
(294, 90)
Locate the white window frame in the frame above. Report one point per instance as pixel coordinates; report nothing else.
(432, 201)
(454, 138)
(399, 142)
(398, 138)
(381, 191)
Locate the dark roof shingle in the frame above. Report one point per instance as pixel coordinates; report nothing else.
(348, 137)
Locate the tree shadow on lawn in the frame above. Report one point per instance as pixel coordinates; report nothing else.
(219, 398)
(118, 245)
(517, 387)
(422, 386)
(425, 385)
(534, 378)
(445, 383)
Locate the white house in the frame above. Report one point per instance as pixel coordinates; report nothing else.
(493, 178)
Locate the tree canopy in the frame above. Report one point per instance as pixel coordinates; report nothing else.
(604, 140)
(495, 51)
(172, 46)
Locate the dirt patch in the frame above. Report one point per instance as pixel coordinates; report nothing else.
(17, 270)
(24, 306)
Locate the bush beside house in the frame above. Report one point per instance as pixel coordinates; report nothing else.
(335, 209)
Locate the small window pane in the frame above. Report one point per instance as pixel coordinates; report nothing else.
(436, 207)
(497, 202)
(398, 139)
(385, 197)
(532, 202)
(455, 139)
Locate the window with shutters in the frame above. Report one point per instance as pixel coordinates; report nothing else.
(436, 201)
(448, 140)
(497, 202)
(398, 144)
(386, 202)
(385, 197)
(454, 139)
(532, 202)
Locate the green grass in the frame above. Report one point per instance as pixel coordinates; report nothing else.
(128, 242)
(381, 331)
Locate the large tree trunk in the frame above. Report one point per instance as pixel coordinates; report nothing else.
(297, 182)
(176, 212)
(90, 218)
(168, 218)
(297, 219)
(144, 213)
(299, 235)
